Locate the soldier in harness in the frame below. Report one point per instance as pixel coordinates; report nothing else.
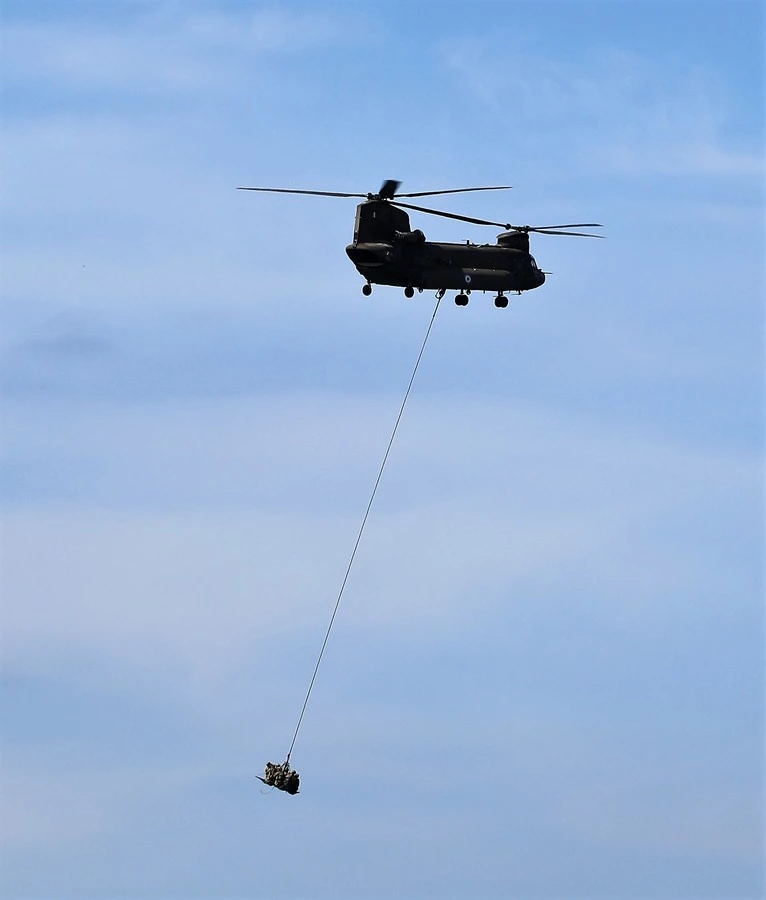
(281, 777)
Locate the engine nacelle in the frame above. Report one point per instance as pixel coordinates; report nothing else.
(516, 240)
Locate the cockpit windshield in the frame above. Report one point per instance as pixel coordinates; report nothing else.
(532, 260)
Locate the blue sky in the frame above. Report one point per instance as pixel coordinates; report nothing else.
(546, 678)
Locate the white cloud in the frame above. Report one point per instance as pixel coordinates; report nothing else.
(179, 560)
(66, 808)
(619, 114)
(161, 50)
(102, 212)
(205, 533)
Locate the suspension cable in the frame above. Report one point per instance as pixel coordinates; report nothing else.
(439, 296)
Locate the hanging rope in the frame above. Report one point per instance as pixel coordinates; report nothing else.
(361, 527)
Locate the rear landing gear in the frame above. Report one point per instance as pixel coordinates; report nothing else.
(461, 300)
(501, 301)
(367, 290)
(409, 292)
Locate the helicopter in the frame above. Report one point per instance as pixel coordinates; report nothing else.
(387, 251)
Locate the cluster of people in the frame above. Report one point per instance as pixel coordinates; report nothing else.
(282, 777)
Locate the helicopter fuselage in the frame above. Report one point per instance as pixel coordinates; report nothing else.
(427, 265)
(386, 251)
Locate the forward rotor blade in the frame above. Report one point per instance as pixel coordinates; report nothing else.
(388, 189)
(503, 187)
(446, 215)
(292, 191)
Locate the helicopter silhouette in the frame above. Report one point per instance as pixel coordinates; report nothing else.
(387, 251)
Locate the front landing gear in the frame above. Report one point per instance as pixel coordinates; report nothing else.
(501, 301)
(367, 290)
(461, 300)
(409, 292)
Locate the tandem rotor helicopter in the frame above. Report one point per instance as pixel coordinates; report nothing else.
(386, 250)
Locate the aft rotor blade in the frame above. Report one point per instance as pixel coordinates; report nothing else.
(446, 215)
(292, 191)
(557, 227)
(570, 233)
(502, 187)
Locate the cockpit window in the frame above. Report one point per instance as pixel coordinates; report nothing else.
(532, 260)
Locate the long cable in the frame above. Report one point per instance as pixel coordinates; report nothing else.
(361, 527)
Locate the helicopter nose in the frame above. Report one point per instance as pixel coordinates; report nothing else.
(540, 278)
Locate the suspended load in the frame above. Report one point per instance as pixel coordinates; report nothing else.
(281, 777)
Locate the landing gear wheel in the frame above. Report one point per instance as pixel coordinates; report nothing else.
(367, 290)
(461, 300)
(409, 292)
(501, 301)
